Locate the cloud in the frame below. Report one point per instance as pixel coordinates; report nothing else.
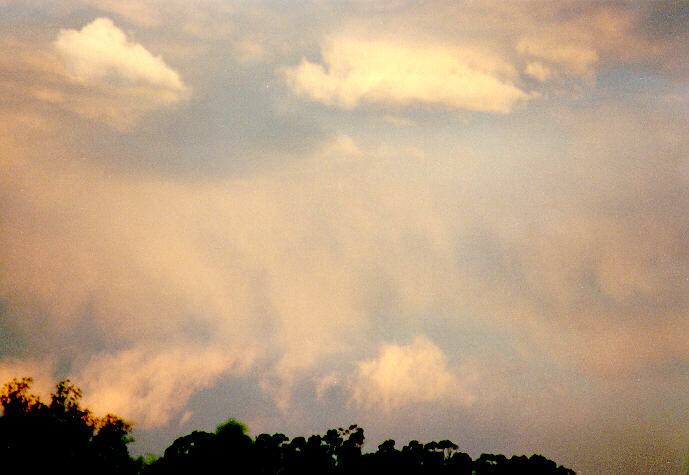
(129, 262)
(120, 79)
(666, 19)
(406, 374)
(340, 148)
(538, 71)
(150, 385)
(663, 37)
(358, 70)
(41, 370)
(548, 247)
(144, 13)
(307, 265)
(101, 51)
(326, 384)
(570, 58)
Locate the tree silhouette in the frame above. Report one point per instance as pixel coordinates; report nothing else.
(60, 436)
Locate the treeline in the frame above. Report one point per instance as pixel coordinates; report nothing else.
(60, 436)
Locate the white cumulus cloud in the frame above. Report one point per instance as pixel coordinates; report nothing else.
(405, 374)
(100, 51)
(120, 79)
(357, 70)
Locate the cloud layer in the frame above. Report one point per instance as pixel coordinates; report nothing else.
(312, 235)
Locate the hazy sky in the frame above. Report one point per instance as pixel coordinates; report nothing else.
(443, 219)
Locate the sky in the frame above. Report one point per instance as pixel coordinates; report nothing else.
(457, 220)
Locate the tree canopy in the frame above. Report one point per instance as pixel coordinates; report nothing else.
(60, 436)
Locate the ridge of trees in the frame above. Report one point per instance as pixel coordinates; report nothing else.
(60, 436)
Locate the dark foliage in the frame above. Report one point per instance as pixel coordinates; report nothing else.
(337, 452)
(60, 437)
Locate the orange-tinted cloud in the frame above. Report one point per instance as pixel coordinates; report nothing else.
(151, 385)
(101, 52)
(408, 374)
(357, 70)
(547, 247)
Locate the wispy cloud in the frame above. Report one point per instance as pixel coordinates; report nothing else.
(150, 386)
(574, 59)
